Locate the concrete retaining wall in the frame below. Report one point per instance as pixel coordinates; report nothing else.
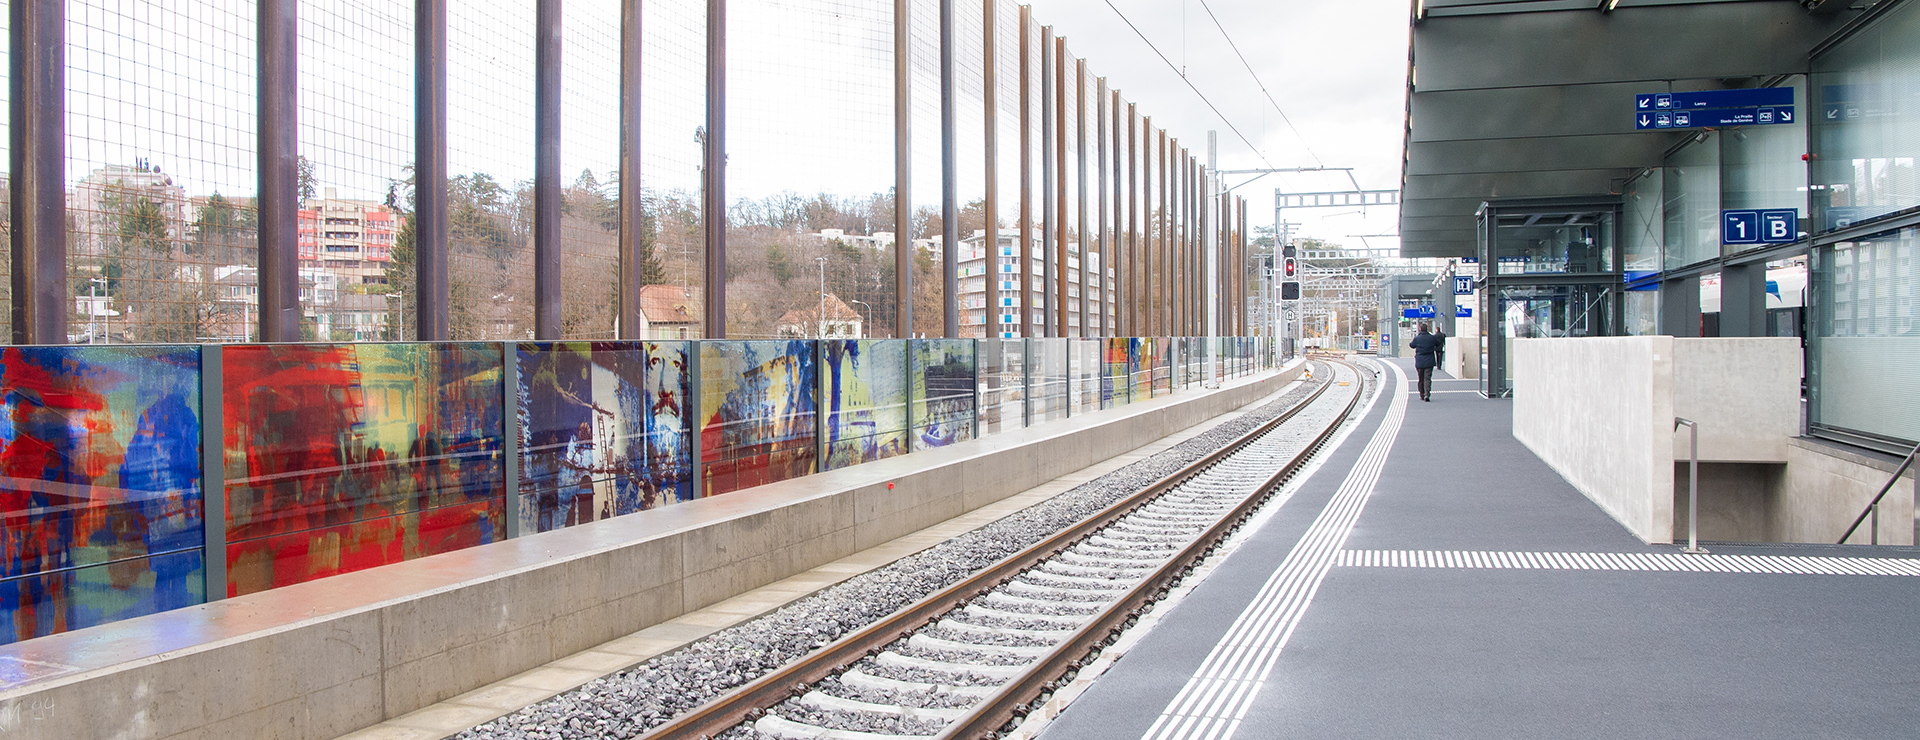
(320, 659)
(1599, 412)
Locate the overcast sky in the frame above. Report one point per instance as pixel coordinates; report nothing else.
(1338, 70)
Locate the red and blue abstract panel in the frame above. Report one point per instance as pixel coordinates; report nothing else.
(866, 400)
(603, 430)
(1115, 376)
(101, 491)
(757, 406)
(943, 376)
(342, 457)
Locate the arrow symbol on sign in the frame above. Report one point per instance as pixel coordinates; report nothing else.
(1786, 116)
(1644, 121)
(1833, 114)
(1644, 102)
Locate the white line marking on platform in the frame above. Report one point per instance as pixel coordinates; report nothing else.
(1216, 698)
(1657, 561)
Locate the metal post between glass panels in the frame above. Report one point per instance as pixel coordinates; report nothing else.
(632, 205)
(713, 212)
(279, 149)
(546, 170)
(510, 435)
(430, 171)
(213, 475)
(949, 187)
(37, 73)
(990, 246)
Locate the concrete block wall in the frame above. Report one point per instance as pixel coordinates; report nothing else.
(317, 660)
(1599, 411)
(1826, 485)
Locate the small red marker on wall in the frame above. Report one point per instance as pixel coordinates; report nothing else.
(889, 485)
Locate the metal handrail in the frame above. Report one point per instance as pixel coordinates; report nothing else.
(1693, 485)
(1873, 509)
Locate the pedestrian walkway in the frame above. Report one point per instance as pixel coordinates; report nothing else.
(1435, 579)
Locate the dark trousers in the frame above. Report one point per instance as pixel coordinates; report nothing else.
(1426, 382)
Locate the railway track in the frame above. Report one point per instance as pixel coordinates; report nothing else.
(971, 659)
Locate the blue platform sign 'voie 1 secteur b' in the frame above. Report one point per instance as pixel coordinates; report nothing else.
(1774, 226)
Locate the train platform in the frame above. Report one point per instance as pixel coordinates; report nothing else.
(1433, 578)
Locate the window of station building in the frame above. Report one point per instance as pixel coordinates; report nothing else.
(1691, 189)
(1866, 135)
(1576, 242)
(1761, 167)
(1864, 338)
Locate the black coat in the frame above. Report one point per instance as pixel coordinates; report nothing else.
(1426, 348)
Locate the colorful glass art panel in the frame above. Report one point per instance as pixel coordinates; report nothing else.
(342, 457)
(866, 400)
(602, 430)
(757, 406)
(944, 374)
(1140, 366)
(1116, 381)
(101, 496)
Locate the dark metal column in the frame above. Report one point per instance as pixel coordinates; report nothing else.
(546, 170)
(1163, 291)
(279, 144)
(1743, 300)
(429, 171)
(632, 204)
(1106, 236)
(714, 208)
(1049, 221)
(1024, 301)
(902, 171)
(37, 75)
(949, 179)
(1679, 307)
(990, 246)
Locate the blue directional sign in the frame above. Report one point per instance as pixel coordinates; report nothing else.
(1762, 106)
(1714, 118)
(1418, 312)
(1754, 97)
(1462, 312)
(1462, 285)
(1773, 226)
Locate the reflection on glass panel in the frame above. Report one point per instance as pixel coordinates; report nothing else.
(1083, 367)
(102, 468)
(602, 430)
(1002, 385)
(924, 93)
(1140, 365)
(356, 176)
(1643, 311)
(1761, 166)
(341, 457)
(590, 167)
(1865, 337)
(673, 100)
(1008, 185)
(1163, 354)
(1867, 130)
(1571, 243)
(865, 382)
(1048, 378)
(943, 376)
(490, 116)
(160, 170)
(1692, 192)
(970, 152)
(1645, 215)
(757, 402)
(810, 176)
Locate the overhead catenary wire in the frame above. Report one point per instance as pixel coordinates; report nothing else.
(1183, 78)
(1263, 87)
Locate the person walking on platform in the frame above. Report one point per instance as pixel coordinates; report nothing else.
(1425, 356)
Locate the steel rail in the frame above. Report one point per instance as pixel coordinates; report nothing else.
(749, 701)
(1003, 710)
